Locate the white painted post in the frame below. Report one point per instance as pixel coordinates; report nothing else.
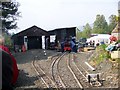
(26, 42)
(45, 53)
(43, 42)
(90, 66)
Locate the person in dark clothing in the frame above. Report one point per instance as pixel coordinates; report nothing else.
(7, 71)
(14, 65)
(73, 42)
(62, 46)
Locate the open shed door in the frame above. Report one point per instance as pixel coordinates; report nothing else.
(43, 42)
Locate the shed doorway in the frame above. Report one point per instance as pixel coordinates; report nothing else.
(34, 42)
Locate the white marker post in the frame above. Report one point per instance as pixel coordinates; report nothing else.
(90, 66)
(45, 53)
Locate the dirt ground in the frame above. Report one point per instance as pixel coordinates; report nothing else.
(28, 79)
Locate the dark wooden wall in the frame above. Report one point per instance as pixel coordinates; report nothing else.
(61, 34)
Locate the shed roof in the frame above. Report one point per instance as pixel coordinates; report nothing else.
(116, 29)
(62, 29)
(32, 31)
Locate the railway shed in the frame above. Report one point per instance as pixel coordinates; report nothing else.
(31, 38)
(62, 33)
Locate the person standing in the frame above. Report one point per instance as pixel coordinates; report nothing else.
(73, 42)
(14, 65)
(7, 70)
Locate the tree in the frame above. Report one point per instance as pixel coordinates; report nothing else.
(100, 25)
(86, 31)
(112, 22)
(79, 34)
(9, 15)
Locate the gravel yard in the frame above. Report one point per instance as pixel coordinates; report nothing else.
(109, 71)
(27, 75)
(28, 78)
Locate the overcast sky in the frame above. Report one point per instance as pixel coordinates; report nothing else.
(52, 14)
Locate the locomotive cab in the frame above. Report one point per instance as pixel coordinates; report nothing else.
(67, 46)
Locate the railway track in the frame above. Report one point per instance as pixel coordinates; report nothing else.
(85, 73)
(55, 81)
(55, 72)
(62, 72)
(47, 81)
(73, 73)
(65, 74)
(81, 73)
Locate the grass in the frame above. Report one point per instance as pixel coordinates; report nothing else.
(102, 55)
(118, 60)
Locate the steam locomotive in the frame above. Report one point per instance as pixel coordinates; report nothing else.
(67, 46)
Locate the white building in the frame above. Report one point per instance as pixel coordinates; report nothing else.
(98, 38)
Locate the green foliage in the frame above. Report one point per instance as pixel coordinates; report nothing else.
(112, 22)
(86, 31)
(77, 34)
(100, 25)
(9, 15)
(8, 41)
(112, 19)
(102, 47)
(118, 61)
(102, 54)
(118, 41)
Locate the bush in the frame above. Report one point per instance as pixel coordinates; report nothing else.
(102, 47)
(8, 42)
(102, 54)
(118, 41)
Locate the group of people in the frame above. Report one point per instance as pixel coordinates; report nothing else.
(113, 46)
(92, 43)
(10, 70)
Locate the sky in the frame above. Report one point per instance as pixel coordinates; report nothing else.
(52, 14)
